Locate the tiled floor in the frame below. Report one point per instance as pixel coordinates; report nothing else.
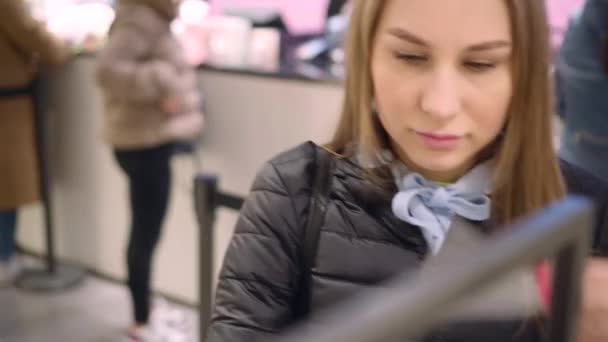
(96, 311)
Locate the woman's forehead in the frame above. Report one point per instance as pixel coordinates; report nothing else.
(462, 22)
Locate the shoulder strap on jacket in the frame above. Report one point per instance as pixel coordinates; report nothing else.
(316, 215)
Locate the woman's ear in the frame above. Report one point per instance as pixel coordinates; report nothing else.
(373, 105)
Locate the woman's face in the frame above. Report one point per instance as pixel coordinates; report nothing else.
(442, 80)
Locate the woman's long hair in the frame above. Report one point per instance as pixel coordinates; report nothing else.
(527, 174)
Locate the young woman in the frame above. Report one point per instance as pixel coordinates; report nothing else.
(152, 101)
(446, 114)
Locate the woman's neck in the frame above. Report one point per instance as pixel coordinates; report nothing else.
(445, 177)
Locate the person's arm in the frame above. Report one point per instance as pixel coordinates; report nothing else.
(258, 282)
(125, 70)
(29, 35)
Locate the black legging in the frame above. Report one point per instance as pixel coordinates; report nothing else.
(149, 176)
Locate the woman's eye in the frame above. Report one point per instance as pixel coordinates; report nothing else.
(479, 66)
(411, 58)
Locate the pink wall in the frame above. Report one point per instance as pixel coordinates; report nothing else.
(559, 12)
(301, 16)
(308, 15)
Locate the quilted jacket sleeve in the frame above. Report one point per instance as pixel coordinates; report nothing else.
(258, 282)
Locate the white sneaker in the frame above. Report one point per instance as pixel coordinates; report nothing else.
(143, 334)
(171, 322)
(156, 334)
(9, 271)
(174, 335)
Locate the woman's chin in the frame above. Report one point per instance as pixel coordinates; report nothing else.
(446, 168)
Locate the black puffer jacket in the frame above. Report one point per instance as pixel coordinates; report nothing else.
(361, 244)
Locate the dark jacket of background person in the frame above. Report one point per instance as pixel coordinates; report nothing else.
(582, 88)
(24, 44)
(141, 66)
(361, 244)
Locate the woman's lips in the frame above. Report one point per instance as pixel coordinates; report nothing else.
(438, 141)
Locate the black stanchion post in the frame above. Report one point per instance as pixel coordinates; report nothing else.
(43, 161)
(54, 276)
(205, 197)
(566, 301)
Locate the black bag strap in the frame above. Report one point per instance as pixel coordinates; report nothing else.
(26, 90)
(316, 215)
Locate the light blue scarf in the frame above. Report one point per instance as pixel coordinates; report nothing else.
(432, 207)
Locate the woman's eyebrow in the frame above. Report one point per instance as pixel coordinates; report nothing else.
(408, 36)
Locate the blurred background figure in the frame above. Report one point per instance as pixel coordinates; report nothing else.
(152, 102)
(582, 88)
(25, 44)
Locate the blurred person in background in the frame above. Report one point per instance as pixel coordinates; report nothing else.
(25, 44)
(152, 102)
(582, 89)
(444, 120)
